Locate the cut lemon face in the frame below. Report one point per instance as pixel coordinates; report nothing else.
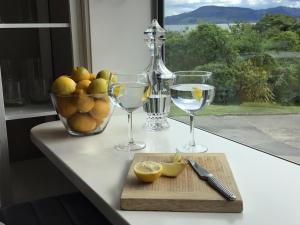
(148, 171)
(118, 90)
(147, 94)
(197, 93)
(173, 169)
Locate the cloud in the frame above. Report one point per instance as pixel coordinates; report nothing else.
(173, 7)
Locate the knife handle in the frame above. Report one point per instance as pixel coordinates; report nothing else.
(221, 188)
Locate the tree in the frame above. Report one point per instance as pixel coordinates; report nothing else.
(264, 61)
(175, 51)
(224, 81)
(209, 43)
(242, 81)
(285, 81)
(296, 28)
(278, 22)
(246, 38)
(281, 31)
(242, 68)
(252, 82)
(284, 41)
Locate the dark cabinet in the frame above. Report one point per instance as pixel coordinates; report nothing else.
(38, 39)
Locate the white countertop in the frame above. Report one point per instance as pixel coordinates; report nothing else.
(270, 187)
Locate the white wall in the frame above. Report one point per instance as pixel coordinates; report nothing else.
(117, 28)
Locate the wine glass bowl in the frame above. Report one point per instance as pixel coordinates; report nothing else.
(191, 92)
(191, 97)
(129, 92)
(128, 95)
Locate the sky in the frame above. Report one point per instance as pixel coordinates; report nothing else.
(173, 7)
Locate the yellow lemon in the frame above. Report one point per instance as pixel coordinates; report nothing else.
(66, 106)
(172, 169)
(100, 111)
(147, 171)
(83, 84)
(79, 92)
(197, 93)
(80, 73)
(98, 86)
(85, 103)
(92, 76)
(63, 85)
(105, 98)
(82, 123)
(103, 74)
(118, 90)
(147, 94)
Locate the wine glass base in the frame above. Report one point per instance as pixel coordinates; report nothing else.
(130, 146)
(191, 149)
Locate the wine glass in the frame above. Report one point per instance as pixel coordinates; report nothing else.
(129, 92)
(191, 92)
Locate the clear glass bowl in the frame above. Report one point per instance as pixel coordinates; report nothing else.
(83, 115)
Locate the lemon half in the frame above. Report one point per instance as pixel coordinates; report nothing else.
(148, 171)
(174, 168)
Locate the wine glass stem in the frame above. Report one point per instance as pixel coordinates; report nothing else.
(192, 135)
(130, 136)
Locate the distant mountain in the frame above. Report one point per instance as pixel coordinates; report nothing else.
(220, 14)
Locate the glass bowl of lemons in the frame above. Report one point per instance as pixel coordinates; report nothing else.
(82, 102)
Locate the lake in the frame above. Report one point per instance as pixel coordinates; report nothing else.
(188, 27)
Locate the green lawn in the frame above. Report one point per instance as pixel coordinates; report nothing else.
(243, 109)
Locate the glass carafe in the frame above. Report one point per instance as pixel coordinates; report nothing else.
(158, 106)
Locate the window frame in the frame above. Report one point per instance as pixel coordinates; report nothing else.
(157, 11)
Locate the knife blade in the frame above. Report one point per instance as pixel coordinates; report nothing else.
(212, 181)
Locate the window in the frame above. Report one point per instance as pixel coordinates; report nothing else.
(253, 50)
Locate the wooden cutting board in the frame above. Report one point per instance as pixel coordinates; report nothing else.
(185, 193)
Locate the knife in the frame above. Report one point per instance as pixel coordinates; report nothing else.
(211, 180)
